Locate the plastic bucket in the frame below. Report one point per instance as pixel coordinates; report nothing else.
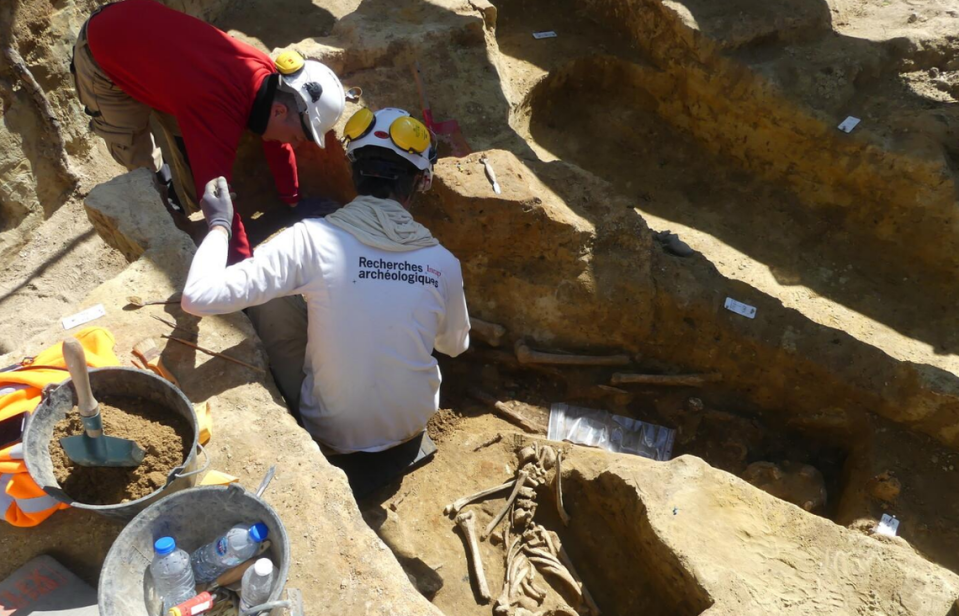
(107, 382)
(194, 518)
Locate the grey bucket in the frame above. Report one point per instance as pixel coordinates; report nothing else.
(193, 518)
(107, 382)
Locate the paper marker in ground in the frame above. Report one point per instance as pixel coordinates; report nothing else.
(849, 123)
(84, 316)
(544, 35)
(888, 525)
(740, 308)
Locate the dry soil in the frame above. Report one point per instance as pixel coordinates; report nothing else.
(163, 436)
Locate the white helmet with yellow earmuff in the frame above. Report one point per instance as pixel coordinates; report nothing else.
(397, 131)
(318, 91)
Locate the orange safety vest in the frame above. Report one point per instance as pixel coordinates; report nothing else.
(22, 501)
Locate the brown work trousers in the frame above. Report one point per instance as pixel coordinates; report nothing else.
(124, 123)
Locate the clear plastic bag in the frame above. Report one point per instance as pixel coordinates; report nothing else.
(615, 433)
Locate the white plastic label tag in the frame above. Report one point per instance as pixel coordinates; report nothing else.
(849, 123)
(740, 308)
(543, 35)
(84, 316)
(888, 525)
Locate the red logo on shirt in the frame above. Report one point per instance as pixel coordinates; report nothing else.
(430, 270)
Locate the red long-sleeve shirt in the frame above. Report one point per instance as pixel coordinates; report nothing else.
(203, 77)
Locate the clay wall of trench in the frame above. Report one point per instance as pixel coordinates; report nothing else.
(902, 192)
(541, 269)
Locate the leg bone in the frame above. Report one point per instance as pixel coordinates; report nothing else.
(526, 355)
(467, 524)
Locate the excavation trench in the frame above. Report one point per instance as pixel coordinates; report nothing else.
(597, 114)
(638, 116)
(604, 114)
(728, 431)
(620, 556)
(891, 187)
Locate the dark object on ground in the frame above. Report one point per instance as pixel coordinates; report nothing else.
(368, 472)
(427, 581)
(673, 244)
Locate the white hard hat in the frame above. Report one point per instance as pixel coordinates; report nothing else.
(395, 130)
(318, 91)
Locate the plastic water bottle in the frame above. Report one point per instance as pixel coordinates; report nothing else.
(172, 573)
(238, 545)
(257, 584)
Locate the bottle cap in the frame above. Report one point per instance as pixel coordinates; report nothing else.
(259, 532)
(164, 546)
(263, 567)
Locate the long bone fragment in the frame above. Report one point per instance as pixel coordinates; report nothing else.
(505, 412)
(467, 524)
(503, 606)
(520, 481)
(454, 507)
(674, 380)
(563, 516)
(526, 355)
(490, 333)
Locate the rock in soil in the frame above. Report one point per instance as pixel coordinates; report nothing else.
(163, 435)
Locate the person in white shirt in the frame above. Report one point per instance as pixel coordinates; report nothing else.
(356, 358)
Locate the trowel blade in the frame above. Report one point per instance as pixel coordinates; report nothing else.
(102, 451)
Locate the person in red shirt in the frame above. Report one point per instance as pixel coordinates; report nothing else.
(138, 58)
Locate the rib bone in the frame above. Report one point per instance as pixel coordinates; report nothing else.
(520, 481)
(467, 525)
(551, 565)
(531, 590)
(588, 598)
(520, 574)
(454, 507)
(559, 490)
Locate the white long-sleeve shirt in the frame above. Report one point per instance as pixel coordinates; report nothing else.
(371, 381)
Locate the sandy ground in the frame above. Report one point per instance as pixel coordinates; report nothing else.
(829, 58)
